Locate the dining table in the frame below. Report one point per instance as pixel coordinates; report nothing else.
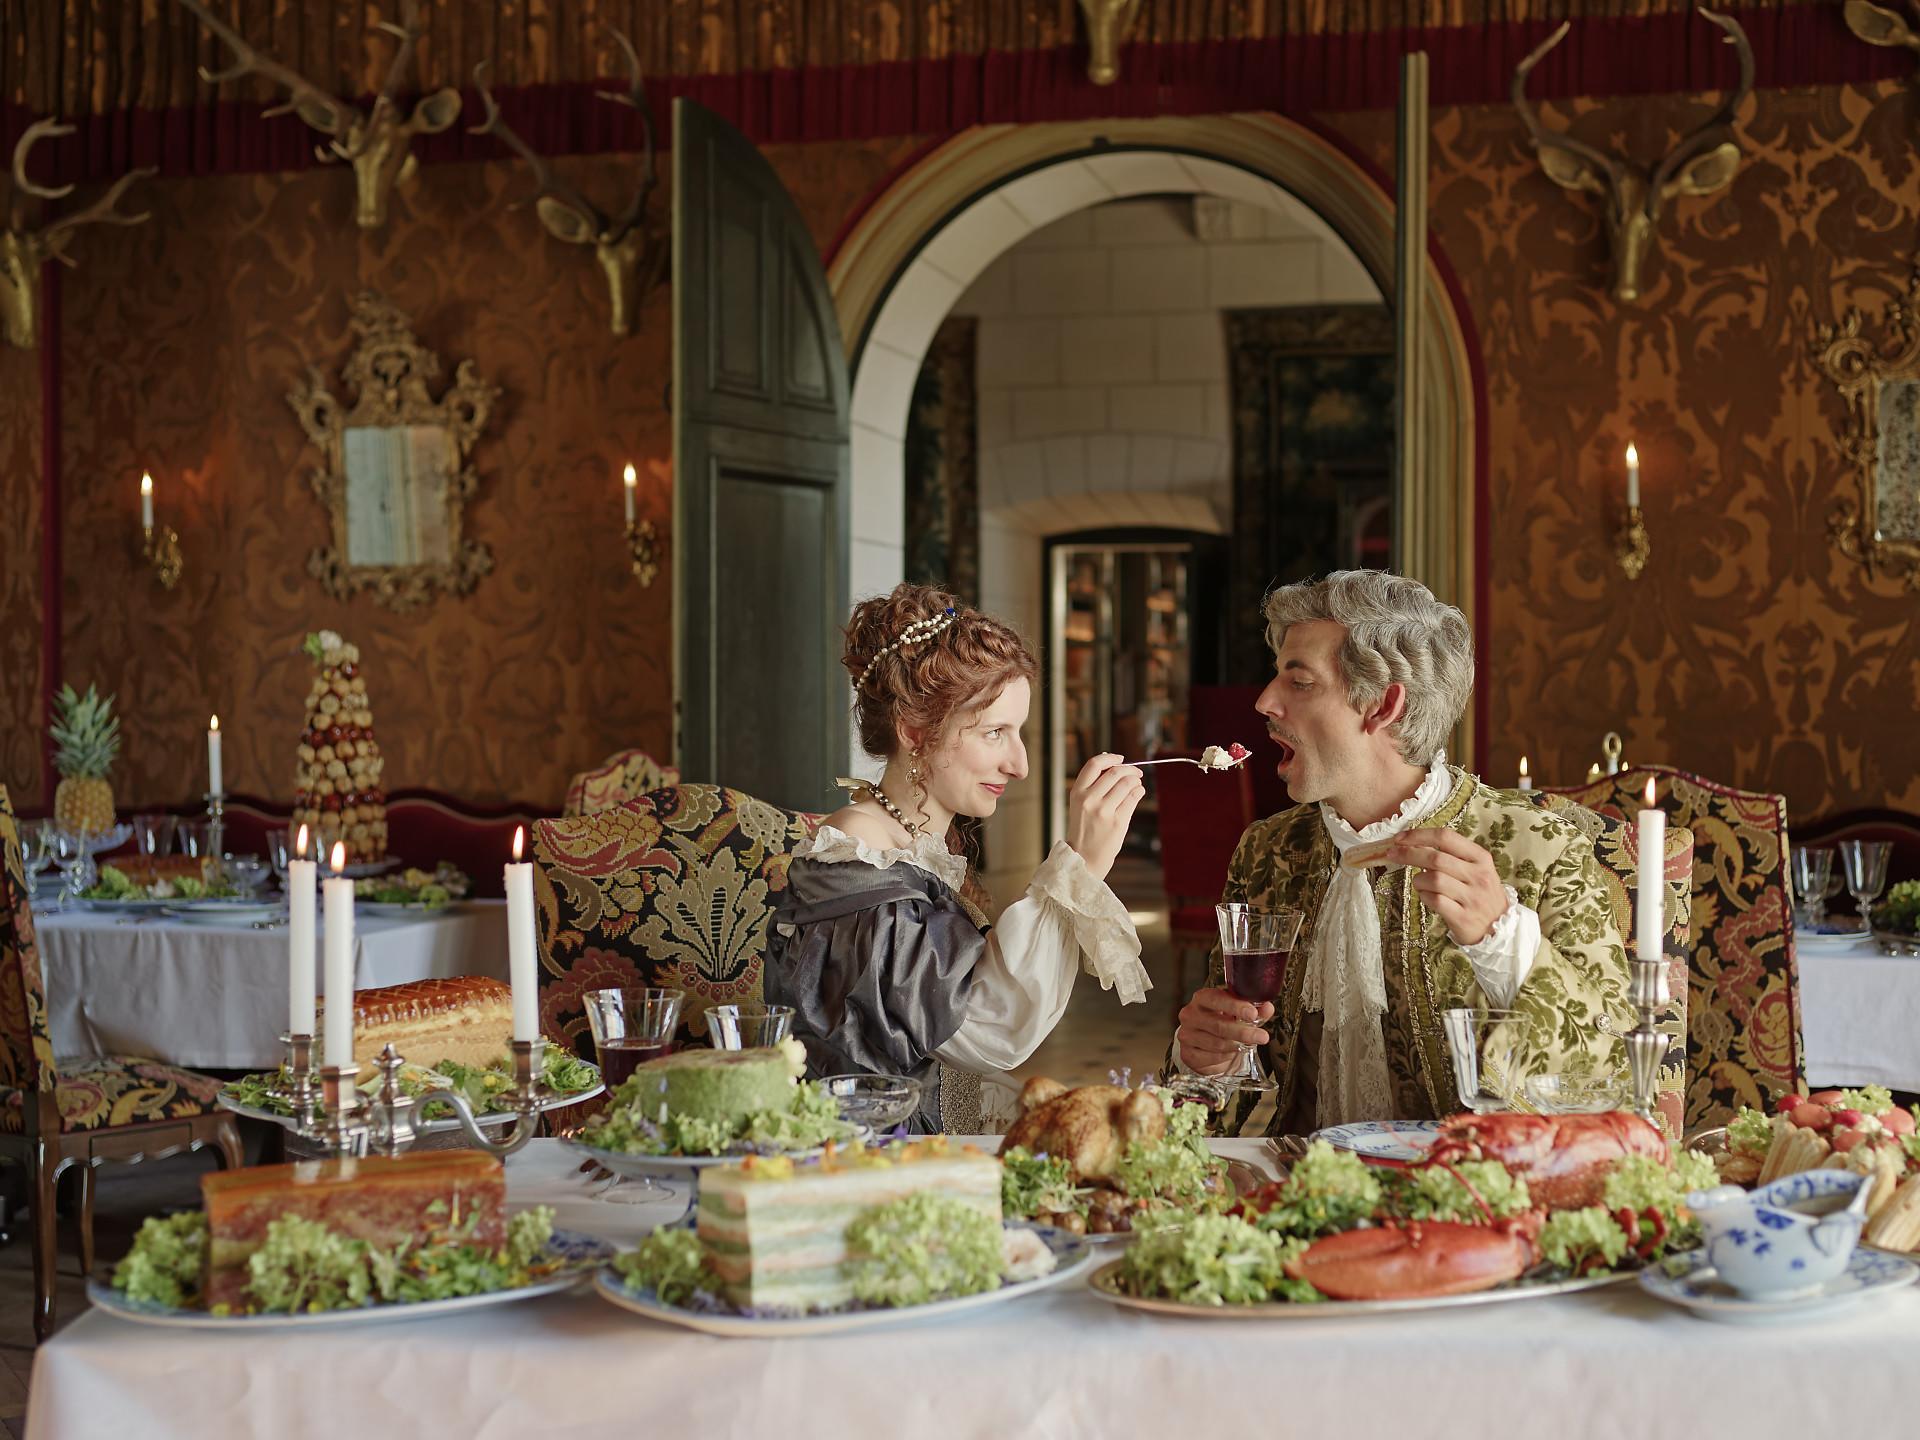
(214, 996)
(1859, 1013)
(1606, 1362)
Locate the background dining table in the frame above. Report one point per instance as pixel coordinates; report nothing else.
(1859, 1013)
(214, 997)
(1063, 1363)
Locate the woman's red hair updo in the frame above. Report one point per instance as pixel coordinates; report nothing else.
(923, 684)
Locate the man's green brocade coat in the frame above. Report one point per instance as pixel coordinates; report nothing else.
(1579, 973)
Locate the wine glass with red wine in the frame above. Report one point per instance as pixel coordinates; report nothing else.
(1255, 946)
(630, 1027)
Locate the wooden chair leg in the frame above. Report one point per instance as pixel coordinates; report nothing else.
(226, 1139)
(42, 1180)
(85, 1181)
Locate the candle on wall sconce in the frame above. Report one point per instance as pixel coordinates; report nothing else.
(159, 547)
(1526, 776)
(643, 541)
(1631, 546)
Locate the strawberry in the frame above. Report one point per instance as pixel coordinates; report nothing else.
(1788, 1103)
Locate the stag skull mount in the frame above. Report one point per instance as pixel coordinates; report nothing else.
(378, 143)
(1704, 160)
(23, 250)
(630, 247)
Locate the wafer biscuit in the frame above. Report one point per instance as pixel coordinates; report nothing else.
(1792, 1152)
(1897, 1226)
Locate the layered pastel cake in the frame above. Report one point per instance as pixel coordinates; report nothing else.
(775, 1229)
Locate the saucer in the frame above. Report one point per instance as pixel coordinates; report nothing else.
(1699, 1289)
(1390, 1142)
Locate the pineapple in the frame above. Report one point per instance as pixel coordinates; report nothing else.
(86, 735)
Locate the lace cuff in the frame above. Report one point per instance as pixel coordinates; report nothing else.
(1109, 945)
(1501, 960)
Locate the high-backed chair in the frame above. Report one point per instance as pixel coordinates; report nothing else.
(624, 775)
(1616, 845)
(1202, 816)
(1743, 1001)
(674, 888)
(78, 1110)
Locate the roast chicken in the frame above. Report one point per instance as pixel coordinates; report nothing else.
(1089, 1128)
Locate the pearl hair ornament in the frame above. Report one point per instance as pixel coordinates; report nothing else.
(917, 633)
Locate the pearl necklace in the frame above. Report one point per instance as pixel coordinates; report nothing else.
(879, 796)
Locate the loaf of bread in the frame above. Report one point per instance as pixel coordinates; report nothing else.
(465, 1018)
(382, 1201)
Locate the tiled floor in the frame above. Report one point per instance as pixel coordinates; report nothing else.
(1096, 1036)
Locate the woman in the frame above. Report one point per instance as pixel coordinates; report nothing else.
(878, 942)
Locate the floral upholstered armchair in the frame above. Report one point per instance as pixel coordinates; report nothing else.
(674, 889)
(78, 1110)
(1616, 847)
(624, 775)
(1743, 990)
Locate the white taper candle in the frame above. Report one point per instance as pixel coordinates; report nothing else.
(1650, 906)
(520, 966)
(302, 876)
(146, 502)
(214, 786)
(339, 897)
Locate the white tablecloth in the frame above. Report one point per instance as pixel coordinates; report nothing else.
(215, 997)
(1610, 1363)
(1860, 1016)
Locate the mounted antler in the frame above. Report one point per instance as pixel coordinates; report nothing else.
(1878, 25)
(1704, 160)
(24, 251)
(629, 246)
(377, 144)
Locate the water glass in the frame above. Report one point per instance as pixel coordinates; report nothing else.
(69, 853)
(193, 838)
(1812, 872)
(246, 872)
(1484, 1045)
(1866, 867)
(153, 835)
(748, 1027)
(1255, 946)
(279, 852)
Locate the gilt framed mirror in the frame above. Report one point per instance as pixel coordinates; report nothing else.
(395, 475)
(1879, 382)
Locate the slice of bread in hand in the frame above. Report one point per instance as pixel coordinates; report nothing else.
(1374, 852)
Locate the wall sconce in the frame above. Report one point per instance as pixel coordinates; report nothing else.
(1631, 547)
(160, 547)
(643, 541)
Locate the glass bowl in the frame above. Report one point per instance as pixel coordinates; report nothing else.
(1577, 1094)
(878, 1102)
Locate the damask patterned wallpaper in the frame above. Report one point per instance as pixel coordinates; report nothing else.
(21, 693)
(181, 339)
(1750, 650)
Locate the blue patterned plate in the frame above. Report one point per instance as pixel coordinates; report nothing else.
(1394, 1142)
(1072, 1255)
(1698, 1288)
(581, 1251)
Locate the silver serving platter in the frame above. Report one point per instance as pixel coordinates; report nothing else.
(1072, 1256)
(582, 1250)
(1105, 1284)
(621, 1162)
(442, 1124)
(1893, 942)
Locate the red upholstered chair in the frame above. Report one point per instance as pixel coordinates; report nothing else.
(1743, 1001)
(674, 888)
(1202, 816)
(624, 775)
(78, 1110)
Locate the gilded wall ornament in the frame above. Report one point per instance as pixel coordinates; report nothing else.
(1109, 22)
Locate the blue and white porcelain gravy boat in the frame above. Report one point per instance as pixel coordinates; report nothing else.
(1784, 1239)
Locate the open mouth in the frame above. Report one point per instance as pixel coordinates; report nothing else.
(1287, 753)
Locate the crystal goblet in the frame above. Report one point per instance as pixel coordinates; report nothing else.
(1255, 946)
(748, 1026)
(1484, 1045)
(1866, 866)
(153, 835)
(1812, 872)
(631, 1025)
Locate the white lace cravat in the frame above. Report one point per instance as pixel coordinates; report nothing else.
(1346, 976)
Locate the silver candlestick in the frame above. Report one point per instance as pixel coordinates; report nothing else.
(1646, 1046)
(301, 1088)
(216, 838)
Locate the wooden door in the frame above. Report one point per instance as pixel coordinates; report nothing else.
(760, 465)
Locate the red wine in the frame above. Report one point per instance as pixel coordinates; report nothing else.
(620, 1058)
(1256, 975)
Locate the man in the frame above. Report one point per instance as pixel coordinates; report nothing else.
(1481, 899)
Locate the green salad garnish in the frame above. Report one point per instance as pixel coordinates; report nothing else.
(1868, 1100)
(1034, 1185)
(1328, 1190)
(304, 1267)
(484, 1088)
(1433, 1192)
(115, 884)
(429, 890)
(1750, 1132)
(632, 1125)
(671, 1263)
(1211, 1260)
(922, 1247)
(1178, 1168)
(1900, 911)
(1574, 1240)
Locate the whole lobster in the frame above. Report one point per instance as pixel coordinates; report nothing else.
(1565, 1159)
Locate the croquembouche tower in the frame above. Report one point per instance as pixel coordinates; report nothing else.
(339, 791)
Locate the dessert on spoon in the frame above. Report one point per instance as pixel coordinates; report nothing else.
(1214, 757)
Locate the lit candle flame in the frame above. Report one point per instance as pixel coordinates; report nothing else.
(1633, 455)
(628, 479)
(300, 845)
(1649, 792)
(1523, 766)
(339, 856)
(214, 723)
(146, 484)
(519, 841)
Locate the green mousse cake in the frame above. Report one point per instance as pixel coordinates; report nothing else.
(721, 1085)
